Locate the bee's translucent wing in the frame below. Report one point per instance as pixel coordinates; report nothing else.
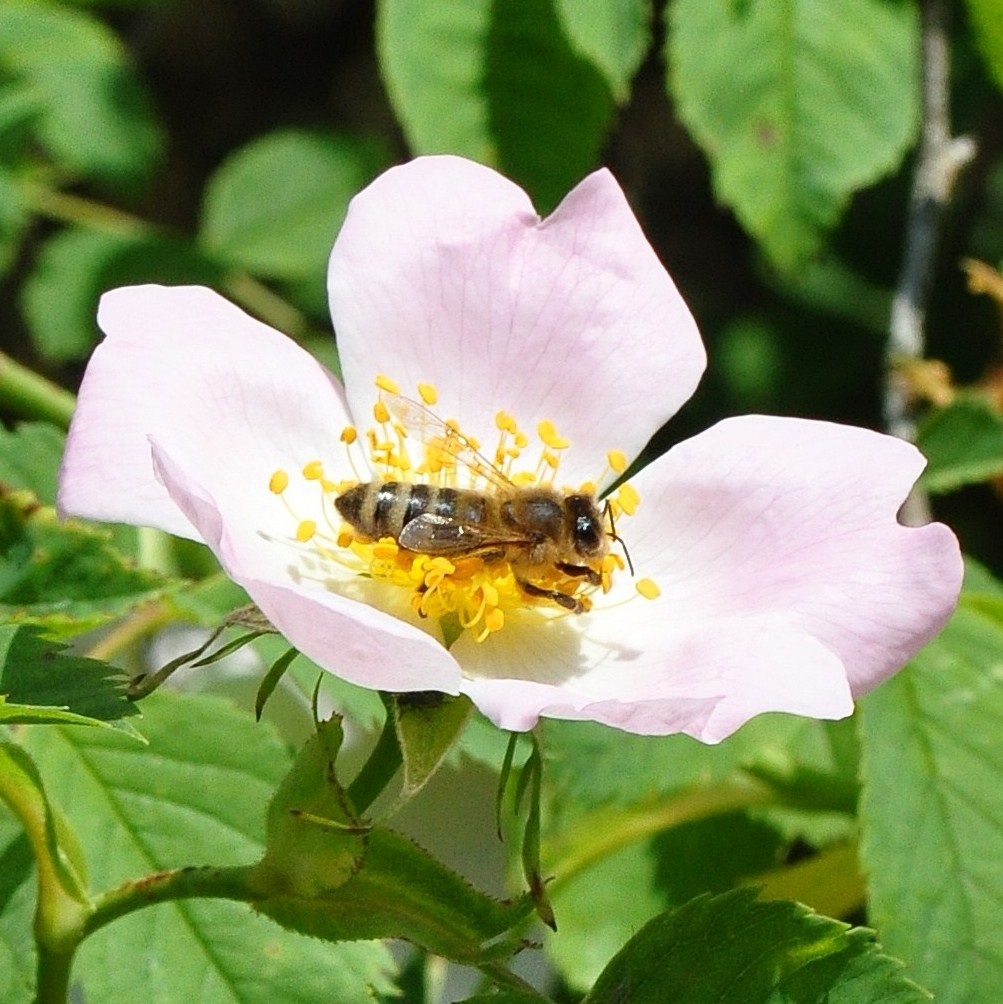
(442, 443)
(433, 534)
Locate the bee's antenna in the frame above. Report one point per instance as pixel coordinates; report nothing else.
(613, 535)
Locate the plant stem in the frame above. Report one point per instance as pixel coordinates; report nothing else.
(63, 905)
(939, 161)
(76, 210)
(30, 395)
(52, 984)
(181, 883)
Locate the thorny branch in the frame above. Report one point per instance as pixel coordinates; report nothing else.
(941, 157)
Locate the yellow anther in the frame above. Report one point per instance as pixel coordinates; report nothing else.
(349, 434)
(505, 422)
(648, 589)
(428, 393)
(551, 460)
(279, 482)
(313, 471)
(385, 550)
(494, 620)
(380, 412)
(306, 530)
(617, 461)
(521, 440)
(329, 487)
(548, 434)
(345, 538)
(628, 498)
(385, 383)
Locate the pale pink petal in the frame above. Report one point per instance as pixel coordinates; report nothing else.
(797, 519)
(357, 642)
(638, 667)
(444, 273)
(230, 398)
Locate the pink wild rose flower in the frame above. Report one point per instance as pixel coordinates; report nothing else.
(490, 358)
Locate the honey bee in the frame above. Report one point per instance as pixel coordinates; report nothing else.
(534, 528)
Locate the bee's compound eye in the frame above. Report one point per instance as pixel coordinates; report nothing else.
(589, 534)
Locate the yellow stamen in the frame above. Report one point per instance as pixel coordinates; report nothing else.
(617, 461)
(385, 550)
(548, 433)
(628, 498)
(494, 620)
(648, 589)
(476, 592)
(505, 422)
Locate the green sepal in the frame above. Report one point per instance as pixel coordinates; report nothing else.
(271, 680)
(427, 726)
(327, 873)
(315, 841)
(531, 780)
(401, 891)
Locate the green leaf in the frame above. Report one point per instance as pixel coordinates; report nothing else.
(797, 104)
(592, 766)
(498, 82)
(733, 948)
(64, 577)
(30, 455)
(427, 727)
(615, 37)
(45, 674)
(197, 793)
(932, 808)
(309, 179)
(963, 444)
(74, 267)
(986, 22)
(17, 909)
(95, 119)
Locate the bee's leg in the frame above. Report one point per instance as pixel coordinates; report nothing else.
(581, 571)
(561, 599)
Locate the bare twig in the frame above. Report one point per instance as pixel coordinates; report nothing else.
(939, 161)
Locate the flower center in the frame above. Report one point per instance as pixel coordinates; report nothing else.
(471, 538)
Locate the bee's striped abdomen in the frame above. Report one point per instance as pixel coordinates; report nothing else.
(383, 508)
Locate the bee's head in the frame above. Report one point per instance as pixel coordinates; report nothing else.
(588, 533)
